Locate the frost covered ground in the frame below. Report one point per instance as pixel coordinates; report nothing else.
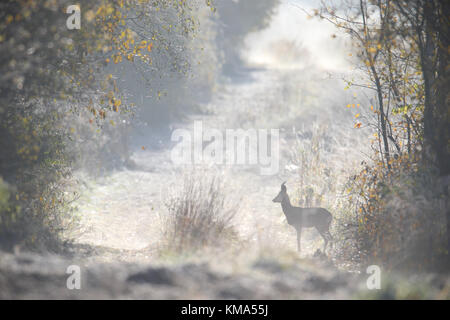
(119, 243)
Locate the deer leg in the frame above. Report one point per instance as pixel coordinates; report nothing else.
(326, 243)
(324, 234)
(330, 237)
(299, 235)
(327, 236)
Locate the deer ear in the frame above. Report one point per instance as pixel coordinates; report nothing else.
(283, 187)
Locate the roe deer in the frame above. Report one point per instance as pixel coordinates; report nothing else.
(299, 218)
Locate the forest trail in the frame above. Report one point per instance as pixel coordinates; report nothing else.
(347, 143)
(123, 211)
(117, 244)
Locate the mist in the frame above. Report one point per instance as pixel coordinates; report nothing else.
(245, 149)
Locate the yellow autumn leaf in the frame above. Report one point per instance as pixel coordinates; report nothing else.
(109, 10)
(89, 15)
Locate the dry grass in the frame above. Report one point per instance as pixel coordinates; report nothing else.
(403, 228)
(199, 214)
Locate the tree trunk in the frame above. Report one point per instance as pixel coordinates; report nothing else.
(435, 61)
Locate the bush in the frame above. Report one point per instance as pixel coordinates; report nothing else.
(399, 219)
(316, 177)
(36, 167)
(59, 110)
(199, 215)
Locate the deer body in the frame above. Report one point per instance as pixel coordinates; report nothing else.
(299, 218)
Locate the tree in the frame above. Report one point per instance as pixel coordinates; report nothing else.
(49, 73)
(429, 22)
(390, 62)
(403, 50)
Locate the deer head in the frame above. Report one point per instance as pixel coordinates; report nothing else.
(282, 194)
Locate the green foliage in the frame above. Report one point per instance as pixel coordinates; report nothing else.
(36, 165)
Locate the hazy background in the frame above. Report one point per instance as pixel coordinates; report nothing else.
(87, 176)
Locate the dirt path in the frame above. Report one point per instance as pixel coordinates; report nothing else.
(119, 241)
(120, 217)
(123, 211)
(118, 245)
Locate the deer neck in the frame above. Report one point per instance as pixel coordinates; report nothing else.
(286, 205)
(293, 217)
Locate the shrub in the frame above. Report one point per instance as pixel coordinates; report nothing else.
(36, 167)
(398, 220)
(316, 178)
(199, 215)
